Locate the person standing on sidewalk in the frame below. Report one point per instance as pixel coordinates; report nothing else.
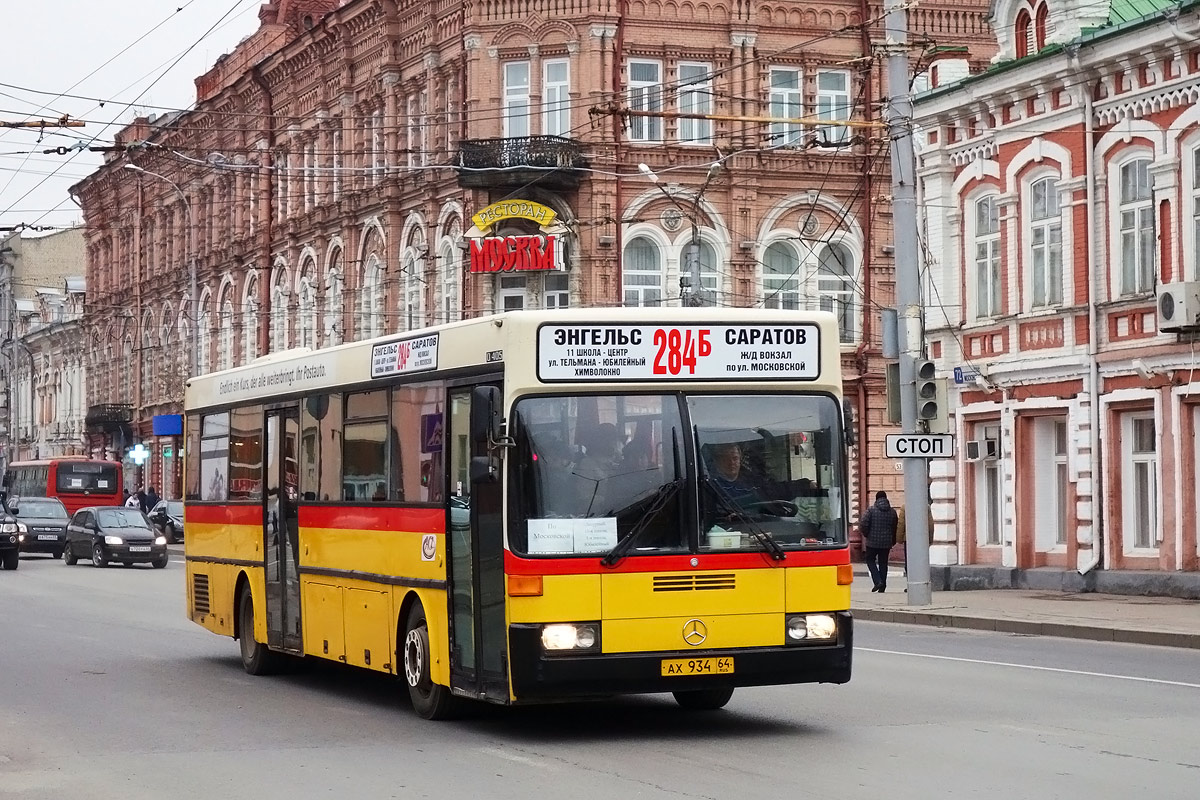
(878, 528)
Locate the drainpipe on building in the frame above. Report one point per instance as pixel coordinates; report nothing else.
(864, 463)
(268, 233)
(1093, 334)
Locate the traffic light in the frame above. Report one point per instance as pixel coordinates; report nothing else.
(929, 399)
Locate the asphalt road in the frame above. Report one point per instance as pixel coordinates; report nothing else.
(107, 691)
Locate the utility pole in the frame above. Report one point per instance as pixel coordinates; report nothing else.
(908, 294)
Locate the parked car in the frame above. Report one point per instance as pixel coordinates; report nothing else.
(167, 516)
(11, 533)
(45, 519)
(112, 533)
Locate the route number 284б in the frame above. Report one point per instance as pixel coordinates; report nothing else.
(681, 349)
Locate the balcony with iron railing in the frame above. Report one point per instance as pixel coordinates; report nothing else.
(551, 161)
(108, 415)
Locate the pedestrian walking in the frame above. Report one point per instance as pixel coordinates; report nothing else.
(878, 527)
(152, 499)
(131, 500)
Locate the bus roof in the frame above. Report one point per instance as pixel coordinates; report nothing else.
(44, 462)
(491, 341)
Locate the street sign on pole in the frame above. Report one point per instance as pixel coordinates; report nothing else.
(919, 445)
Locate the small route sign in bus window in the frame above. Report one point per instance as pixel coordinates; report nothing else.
(675, 352)
(404, 355)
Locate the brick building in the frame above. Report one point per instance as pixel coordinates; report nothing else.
(326, 182)
(1063, 225)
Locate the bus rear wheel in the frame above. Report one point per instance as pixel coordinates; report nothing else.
(703, 699)
(257, 658)
(429, 700)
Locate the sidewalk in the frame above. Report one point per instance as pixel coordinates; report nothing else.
(1165, 621)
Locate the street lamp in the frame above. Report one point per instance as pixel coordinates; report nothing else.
(194, 367)
(695, 294)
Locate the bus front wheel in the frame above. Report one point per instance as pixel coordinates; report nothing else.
(429, 700)
(257, 658)
(703, 699)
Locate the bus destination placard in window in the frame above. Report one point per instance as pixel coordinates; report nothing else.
(678, 352)
(404, 356)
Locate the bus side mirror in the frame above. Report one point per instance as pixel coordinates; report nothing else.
(485, 415)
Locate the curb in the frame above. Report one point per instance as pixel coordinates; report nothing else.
(1028, 628)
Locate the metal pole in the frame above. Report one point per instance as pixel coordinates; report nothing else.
(908, 295)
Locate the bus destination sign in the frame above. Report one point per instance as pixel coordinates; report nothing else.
(404, 356)
(678, 352)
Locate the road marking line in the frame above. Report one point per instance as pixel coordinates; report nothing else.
(1034, 667)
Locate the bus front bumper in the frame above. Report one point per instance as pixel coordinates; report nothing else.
(536, 676)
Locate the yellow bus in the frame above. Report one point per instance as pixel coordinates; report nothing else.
(533, 506)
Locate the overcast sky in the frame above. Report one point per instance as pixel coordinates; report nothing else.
(121, 53)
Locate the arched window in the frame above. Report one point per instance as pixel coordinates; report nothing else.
(250, 308)
(280, 311)
(1136, 212)
(205, 326)
(835, 284)
(225, 319)
(1045, 243)
(642, 271)
(334, 280)
(987, 257)
(306, 306)
(1023, 35)
(1041, 26)
(149, 356)
(781, 277)
(448, 264)
(367, 320)
(414, 289)
(184, 326)
(710, 276)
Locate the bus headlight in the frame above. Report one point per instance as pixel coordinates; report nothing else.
(563, 637)
(113, 540)
(811, 627)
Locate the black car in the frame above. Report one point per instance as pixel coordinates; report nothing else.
(167, 516)
(114, 533)
(11, 532)
(45, 520)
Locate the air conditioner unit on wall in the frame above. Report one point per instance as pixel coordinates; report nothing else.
(983, 450)
(1179, 306)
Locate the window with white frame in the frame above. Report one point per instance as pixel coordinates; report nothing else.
(1139, 489)
(149, 358)
(833, 104)
(645, 94)
(781, 276)
(414, 288)
(449, 269)
(510, 292)
(334, 300)
(378, 162)
(306, 307)
(250, 306)
(835, 284)
(988, 486)
(204, 359)
(1196, 214)
(414, 132)
(1061, 483)
(987, 257)
(279, 313)
(556, 98)
(335, 177)
(516, 99)
(710, 276)
(1045, 243)
(366, 320)
(225, 330)
(642, 273)
(556, 294)
(1136, 224)
(786, 102)
(695, 97)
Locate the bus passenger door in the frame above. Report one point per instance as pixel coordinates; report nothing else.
(281, 530)
(478, 644)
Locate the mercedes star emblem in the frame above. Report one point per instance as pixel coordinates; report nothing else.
(695, 632)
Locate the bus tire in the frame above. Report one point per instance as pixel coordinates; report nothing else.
(12, 559)
(429, 700)
(257, 658)
(703, 699)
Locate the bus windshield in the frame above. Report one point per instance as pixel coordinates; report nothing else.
(590, 471)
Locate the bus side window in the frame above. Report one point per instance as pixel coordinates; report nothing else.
(418, 427)
(245, 454)
(312, 411)
(191, 454)
(329, 450)
(365, 447)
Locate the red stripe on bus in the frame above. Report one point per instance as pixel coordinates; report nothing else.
(387, 518)
(515, 565)
(223, 515)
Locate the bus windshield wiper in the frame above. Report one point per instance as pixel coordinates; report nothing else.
(657, 501)
(765, 539)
